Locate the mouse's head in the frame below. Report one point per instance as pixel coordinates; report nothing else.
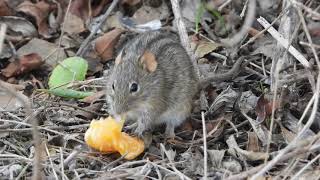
(130, 82)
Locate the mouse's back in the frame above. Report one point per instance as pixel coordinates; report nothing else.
(153, 70)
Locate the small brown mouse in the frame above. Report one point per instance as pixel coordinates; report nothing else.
(153, 82)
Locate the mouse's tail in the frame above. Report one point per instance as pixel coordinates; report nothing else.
(232, 73)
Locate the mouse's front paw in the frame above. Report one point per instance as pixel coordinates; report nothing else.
(140, 129)
(131, 127)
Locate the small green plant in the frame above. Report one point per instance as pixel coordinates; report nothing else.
(215, 13)
(69, 70)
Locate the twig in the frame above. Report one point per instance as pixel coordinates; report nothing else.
(62, 28)
(35, 132)
(263, 31)
(3, 29)
(51, 163)
(224, 5)
(305, 167)
(304, 25)
(183, 33)
(83, 46)
(205, 153)
(284, 42)
(299, 148)
(230, 42)
(309, 10)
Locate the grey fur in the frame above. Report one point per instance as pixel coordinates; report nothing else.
(165, 95)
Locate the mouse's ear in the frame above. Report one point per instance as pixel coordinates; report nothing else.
(119, 57)
(149, 61)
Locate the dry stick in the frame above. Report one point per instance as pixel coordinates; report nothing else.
(252, 39)
(183, 33)
(85, 43)
(35, 132)
(62, 27)
(3, 29)
(309, 10)
(299, 148)
(51, 163)
(205, 153)
(245, 28)
(304, 25)
(305, 167)
(284, 42)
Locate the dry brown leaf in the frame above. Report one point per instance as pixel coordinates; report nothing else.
(5, 10)
(25, 64)
(20, 27)
(81, 8)
(104, 45)
(147, 13)
(74, 24)
(253, 142)
(49, 52)
(264, 107)
(40, 11)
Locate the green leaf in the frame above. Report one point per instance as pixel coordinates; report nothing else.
(69, 70)
(69, 93)
(199, 15)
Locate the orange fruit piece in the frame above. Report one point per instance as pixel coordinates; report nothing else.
(105, 136)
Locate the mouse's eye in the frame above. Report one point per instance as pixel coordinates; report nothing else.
(112, 86)
(134, 87)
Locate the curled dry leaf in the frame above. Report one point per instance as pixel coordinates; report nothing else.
(104, 45)
(73, 24)
(146, 14)
(40, 12)
(253, 142)
(264, 107)
(83, 8)
(49, 52)
(19, 26)
(5, 10)
(25, 64)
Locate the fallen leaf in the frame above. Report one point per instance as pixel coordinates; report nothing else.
(49, 52)
(147, 13)
(216, 157)
(264, 107)
(19, 26)
(73, 24)
(205, 47)
(104, 45)
(5, 10)
(232, 165)
(253, 142)
(25, 64)
(40, 12)
(81, 8)
(112, 22)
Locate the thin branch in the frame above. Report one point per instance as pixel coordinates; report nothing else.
(85, 43)
(35, 132)
(230, 42)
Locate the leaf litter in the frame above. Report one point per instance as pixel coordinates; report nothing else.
(241, 116)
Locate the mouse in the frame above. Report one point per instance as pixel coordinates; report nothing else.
(154, 82)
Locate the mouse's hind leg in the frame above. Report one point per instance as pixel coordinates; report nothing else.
(174, 117)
